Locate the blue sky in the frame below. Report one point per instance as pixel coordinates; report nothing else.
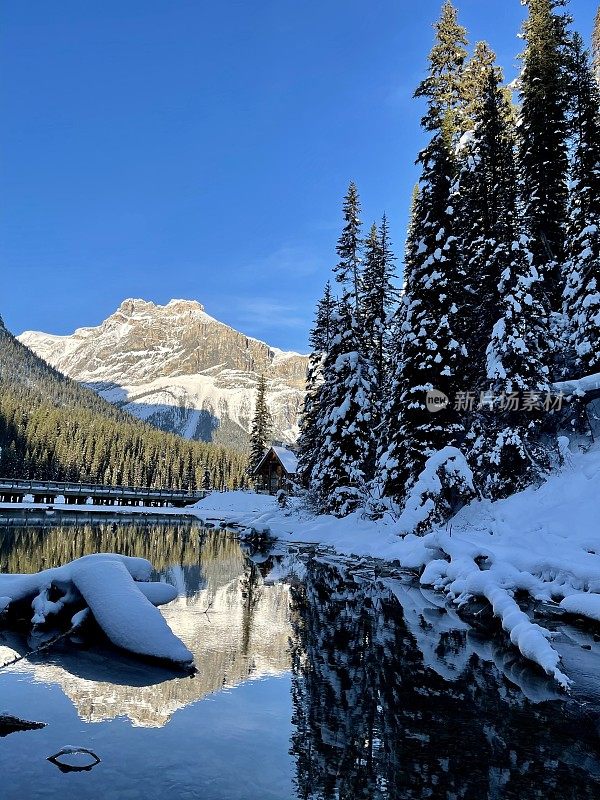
(183, 148)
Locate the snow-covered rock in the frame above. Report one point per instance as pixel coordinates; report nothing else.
(111, 587)
(584, 604)
(180, 369)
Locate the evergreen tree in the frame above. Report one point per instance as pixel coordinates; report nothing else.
(506, 310)
(442, 88)
(344, 418)
(474, 79)
(310, 439)
(431, 354)
(341, 466)
(262, 424)
(582, 289)
(347, 271)
(378, 298)
(543, 140)
(509, 452)
(486, 208)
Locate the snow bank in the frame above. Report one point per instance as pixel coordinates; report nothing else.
(109, 590)
(583, 604)
(115, 590)
(579, 387)
(544, 543)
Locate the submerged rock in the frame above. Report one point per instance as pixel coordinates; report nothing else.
(10, 724)
(74, 759)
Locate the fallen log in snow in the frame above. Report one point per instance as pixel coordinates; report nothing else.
(115, 590)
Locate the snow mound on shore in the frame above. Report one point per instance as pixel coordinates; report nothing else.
(115, 590)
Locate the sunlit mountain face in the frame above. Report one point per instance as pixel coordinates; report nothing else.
(181, 370)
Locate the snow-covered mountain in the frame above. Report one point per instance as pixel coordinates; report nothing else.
(180, 369)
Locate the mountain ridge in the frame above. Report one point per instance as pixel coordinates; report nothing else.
(180, 369)
(52, 427)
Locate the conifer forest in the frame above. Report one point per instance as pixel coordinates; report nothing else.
(499, 298)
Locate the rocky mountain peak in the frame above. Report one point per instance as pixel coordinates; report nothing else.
(180, 369)
(135, 305)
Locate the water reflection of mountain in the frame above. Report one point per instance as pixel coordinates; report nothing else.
(243, 635)
(393, 698)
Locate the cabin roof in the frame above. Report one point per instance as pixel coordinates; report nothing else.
(286, 458)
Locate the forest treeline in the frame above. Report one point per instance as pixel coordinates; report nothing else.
(53, 428)
(421, 400)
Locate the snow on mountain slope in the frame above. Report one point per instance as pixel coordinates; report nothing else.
(180, 369)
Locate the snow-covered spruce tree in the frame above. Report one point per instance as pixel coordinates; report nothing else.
(431, 353)
(485, 205)
(344, 420)
(582, 269)
(474, 78)
(509, 452)
(348, 269)
(262, 424)
(378, 298)
(341, 467)
(543, 139)
(509, 312)
(311, 435)
(442, 88)
(389, 453)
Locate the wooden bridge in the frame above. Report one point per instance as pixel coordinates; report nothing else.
(14, 491)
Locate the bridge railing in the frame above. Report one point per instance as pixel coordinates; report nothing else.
(72, 488)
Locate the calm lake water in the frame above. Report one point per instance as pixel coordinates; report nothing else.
(318, 677)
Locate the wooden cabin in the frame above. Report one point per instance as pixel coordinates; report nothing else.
(276, 470)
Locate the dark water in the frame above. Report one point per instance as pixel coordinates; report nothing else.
(318, 678)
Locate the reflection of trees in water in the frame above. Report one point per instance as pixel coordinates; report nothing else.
(251, 595)
(374, 720)
(214, 555)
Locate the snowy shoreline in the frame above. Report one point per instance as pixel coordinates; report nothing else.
(542, 544)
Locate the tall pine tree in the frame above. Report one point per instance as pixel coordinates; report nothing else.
(348, 269)
(474, 78)
(485, 202)
(311, 434)
(345, 421)
(509, 451)
(442, 88)
(431, 354)
(543, 141)
(262, 425)
(378, 299)
(341, 469)
(582, 289)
